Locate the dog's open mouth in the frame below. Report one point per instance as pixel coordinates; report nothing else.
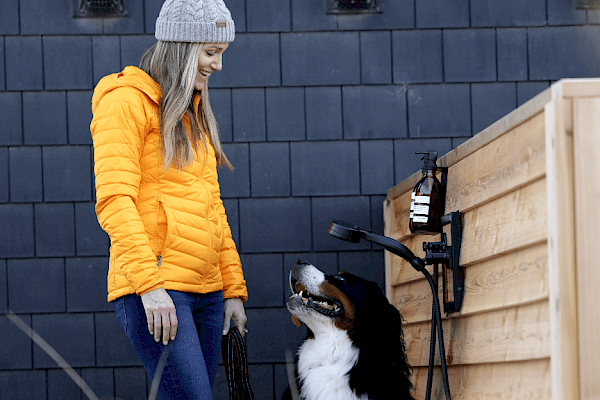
(324, 305)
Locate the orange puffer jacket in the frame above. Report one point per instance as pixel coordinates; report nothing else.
(167, 228)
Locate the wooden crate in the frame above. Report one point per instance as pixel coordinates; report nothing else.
(529, 188)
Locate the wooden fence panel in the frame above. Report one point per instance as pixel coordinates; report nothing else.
(516, 279)
(525, 380)
(513, 334)
(586, 146)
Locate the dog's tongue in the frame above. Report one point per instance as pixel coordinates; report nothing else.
(296, 321)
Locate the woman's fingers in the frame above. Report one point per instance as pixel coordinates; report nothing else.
(161, 315)
(157, 324)
(150, 319)
(165, 324)
(174, 324)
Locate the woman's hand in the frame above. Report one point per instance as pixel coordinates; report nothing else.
(160, 313)
(234, 308)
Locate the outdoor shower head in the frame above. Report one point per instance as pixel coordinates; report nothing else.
(352, 233)
(343, 231)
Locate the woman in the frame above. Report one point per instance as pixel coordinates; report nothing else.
(175, 277)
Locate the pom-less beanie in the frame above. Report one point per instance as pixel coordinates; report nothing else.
(196, 21)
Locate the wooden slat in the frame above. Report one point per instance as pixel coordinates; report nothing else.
(400, 270)
(515, 334)
(515, 279)
(586, 146)
(562, 281)
(509, 162)
(525, 380)
(398, 214)
(510, 222)
(581, 87)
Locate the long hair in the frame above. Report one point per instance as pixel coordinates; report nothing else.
(174, 65)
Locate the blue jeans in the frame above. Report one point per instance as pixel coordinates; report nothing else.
(191, 359)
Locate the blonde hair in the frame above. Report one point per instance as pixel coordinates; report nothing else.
(174, 65)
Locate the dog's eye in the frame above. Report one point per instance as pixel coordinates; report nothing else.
(339, 278)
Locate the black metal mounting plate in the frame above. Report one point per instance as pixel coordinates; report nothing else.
(454, 302)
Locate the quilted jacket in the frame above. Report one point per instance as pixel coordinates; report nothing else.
(167, 228)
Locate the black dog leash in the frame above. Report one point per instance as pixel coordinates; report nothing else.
(235, 361)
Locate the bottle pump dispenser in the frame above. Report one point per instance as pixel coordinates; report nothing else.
(427, 199)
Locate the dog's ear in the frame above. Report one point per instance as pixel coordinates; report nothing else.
(382, 352)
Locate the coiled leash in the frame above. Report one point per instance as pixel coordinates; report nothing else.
(235, 361)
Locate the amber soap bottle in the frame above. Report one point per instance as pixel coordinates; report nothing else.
(426, 204)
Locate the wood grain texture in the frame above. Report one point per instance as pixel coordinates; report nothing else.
(576, 88)
(511, 161)
(398, 214)
(511, 222)
(525, 380)
(400, 270)
(514, 334)
(515, 279)
(586, 146)
(562, 280)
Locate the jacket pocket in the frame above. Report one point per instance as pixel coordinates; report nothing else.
(166, 229)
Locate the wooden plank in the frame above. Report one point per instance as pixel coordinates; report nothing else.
(400, 270)
(581, 87)
(511, 222)
(514, 334)
(488, 232)
(525, 380)
(561, 251)
(586, 151)
(515, 279)
(510, 162)
(398, 216)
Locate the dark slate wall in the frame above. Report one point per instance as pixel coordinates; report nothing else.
(320, 115)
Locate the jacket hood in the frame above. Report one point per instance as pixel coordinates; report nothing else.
(130, 76)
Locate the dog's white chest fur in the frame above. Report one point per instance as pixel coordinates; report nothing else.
(323, 366)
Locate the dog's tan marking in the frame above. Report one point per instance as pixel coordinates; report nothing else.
(345, 322)
(296, 321)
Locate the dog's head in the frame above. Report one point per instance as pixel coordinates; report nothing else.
(344, 300)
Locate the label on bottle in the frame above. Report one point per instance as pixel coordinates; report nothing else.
(422, 199)
(419, 206)
(421, 209)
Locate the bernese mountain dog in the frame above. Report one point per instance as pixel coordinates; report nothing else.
(355, 347)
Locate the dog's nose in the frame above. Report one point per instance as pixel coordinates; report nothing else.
(298, 266)
(302, 262)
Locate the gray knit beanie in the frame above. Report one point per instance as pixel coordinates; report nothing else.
(196, 21)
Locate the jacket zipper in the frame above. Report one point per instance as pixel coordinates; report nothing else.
(158, 260)
(208, 220)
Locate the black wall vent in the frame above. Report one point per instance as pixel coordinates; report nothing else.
(587, 4)
(99, 8)
(352, 6)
